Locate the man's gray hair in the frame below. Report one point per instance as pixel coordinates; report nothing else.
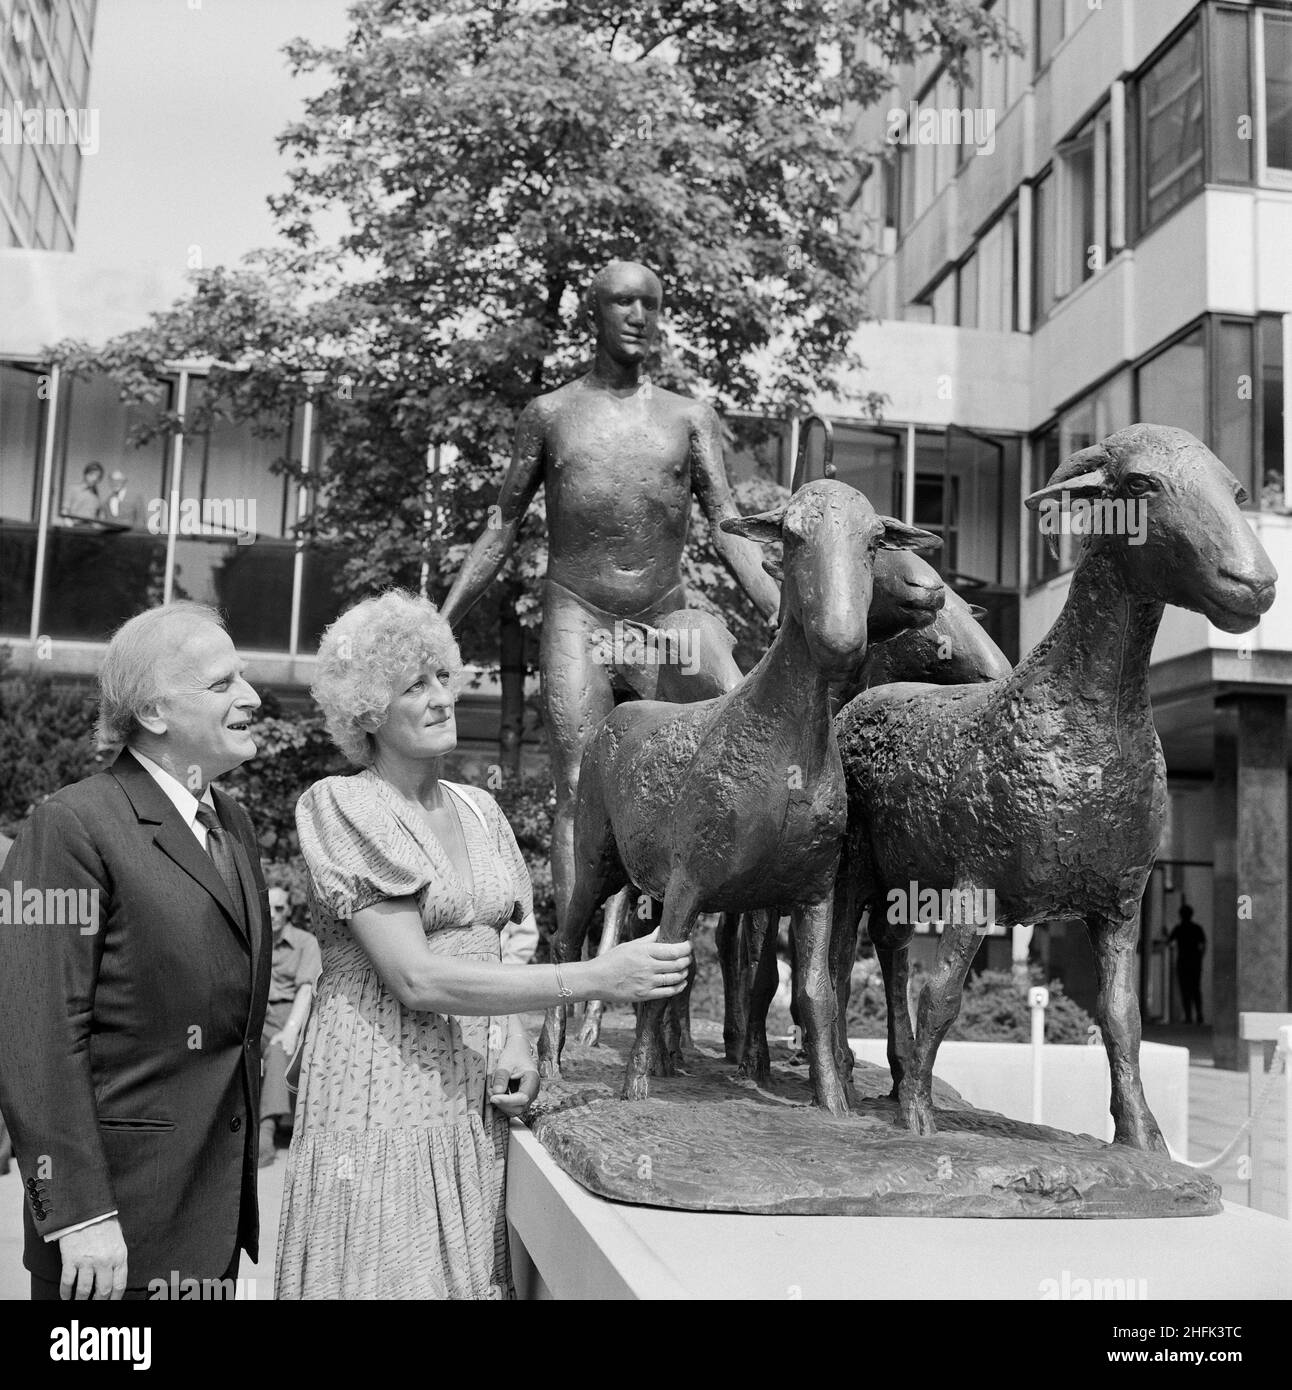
(134, 665)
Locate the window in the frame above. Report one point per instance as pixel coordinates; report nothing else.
(20, 434)
(1230, 102)
(1233, 385)
(1096, 415)
(1170, 128)
(1270, 346)
(943, 300)
(967, 300)
(1019, 67)
(1043, 563)
(870, 460)
(1043, 258)
(998, 275)
(988, 279)
(1050, 17)
(1277, 87)
(1171, 388)
(1086, 166)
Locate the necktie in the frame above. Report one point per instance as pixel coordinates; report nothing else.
(221, 852)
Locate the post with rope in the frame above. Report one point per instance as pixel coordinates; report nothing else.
(1256, 1030)
(1285, 1047)
(1038, 1000)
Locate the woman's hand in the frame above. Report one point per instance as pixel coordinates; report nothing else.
(515, 1064)
(643, 969)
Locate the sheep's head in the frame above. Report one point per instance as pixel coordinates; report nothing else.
(830, 535)
(1159, 502)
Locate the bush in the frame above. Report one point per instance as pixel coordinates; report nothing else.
(529, 803)
(993, 1008)
(46, 738)
(293, 752)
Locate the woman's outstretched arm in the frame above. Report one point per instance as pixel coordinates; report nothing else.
(391, 934)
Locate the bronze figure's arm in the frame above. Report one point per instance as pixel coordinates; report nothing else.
(496, 540)
(709, 480)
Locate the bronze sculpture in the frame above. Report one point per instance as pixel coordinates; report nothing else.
(1048, 786)
(952, 649)
(736, 803)
(907, 596)
(619, 459)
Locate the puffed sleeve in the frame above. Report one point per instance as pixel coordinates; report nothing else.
(356, 851)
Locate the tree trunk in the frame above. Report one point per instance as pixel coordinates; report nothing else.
(511, 724)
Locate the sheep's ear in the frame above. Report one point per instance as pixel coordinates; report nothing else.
(775, 568)
(897, 535)
(1066, 489)
(976, 613)
(763, 527)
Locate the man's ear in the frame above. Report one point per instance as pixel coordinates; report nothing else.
(150, 717)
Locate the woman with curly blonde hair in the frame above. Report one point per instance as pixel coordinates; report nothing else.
(414, 1057)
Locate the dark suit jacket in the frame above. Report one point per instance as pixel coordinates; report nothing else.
(130, 1055)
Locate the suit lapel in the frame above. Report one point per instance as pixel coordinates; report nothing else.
(174, 838)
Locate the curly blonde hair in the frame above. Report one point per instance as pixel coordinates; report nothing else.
(364, 654)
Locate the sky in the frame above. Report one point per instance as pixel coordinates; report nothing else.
(191, 96)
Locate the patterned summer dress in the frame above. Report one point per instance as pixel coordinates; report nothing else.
(396, 1174)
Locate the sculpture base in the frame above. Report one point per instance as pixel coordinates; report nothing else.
(709, 1141)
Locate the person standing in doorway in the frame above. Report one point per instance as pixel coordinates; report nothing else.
(1190, 943)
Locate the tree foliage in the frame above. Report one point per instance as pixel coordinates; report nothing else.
(483, 160)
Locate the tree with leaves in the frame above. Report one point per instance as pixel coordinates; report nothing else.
(488, 158)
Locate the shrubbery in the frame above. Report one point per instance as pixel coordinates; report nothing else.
(46, 738)
(993, 1008)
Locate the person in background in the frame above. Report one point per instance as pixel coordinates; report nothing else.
(85, 503)
(121, 505)
(1190, 943)
(293, 976)
(519, 940)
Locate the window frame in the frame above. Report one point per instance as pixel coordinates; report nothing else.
(1265, 176)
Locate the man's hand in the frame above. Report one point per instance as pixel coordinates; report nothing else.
(286, 1039)
(94, 1262)
(515, 1066)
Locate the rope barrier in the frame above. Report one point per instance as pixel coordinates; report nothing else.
(1267, 1091)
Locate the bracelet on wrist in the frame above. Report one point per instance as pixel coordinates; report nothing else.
(561, 987)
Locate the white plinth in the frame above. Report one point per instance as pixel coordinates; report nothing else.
(566, 1243)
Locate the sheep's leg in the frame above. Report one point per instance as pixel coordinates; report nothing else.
(1117, 1012)
(733, 957)
(843, 952)
(816, 998)
(761, 931)
(892, 947)
(681, 908)
(938, 1009)
(617, 912)
(675, 1028)
(597, 873)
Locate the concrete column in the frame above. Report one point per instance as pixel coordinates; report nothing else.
(1249, 937)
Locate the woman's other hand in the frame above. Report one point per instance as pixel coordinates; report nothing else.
(515, 1066)
(643, 969)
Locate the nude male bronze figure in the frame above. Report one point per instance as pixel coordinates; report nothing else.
(620, 458)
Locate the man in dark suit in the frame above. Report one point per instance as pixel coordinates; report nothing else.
(134, 970)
